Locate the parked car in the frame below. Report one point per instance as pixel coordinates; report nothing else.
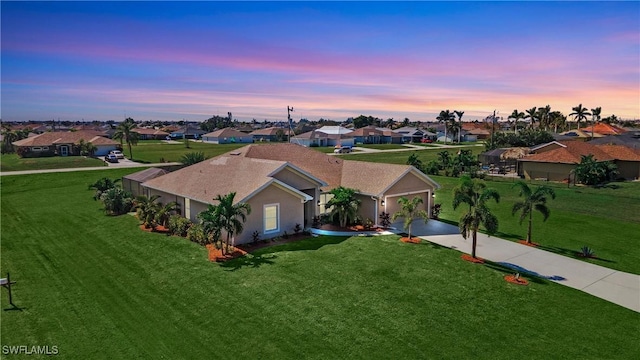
(112, 158)
(342, 150)
(117, 153)
(426, 141)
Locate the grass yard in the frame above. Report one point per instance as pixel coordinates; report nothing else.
(164, 152)
(12, 162)
(400, 157)
(382, 146)
(98, 287)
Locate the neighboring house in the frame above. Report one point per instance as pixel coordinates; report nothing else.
(373, 135)
(288, 184)
(268, 134)
(227, 136)
(604, 129)
(188, 132)
(319, 138)
(410, 134)
(334, 130)
(480, 134)
(151, 134)
(132, 182)
(63, 144)
(556, 161)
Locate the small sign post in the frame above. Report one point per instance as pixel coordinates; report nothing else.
(6, 283)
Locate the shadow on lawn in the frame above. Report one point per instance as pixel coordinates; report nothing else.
(532, 276)
(267, 255)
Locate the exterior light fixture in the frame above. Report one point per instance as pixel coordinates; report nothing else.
(382, 202)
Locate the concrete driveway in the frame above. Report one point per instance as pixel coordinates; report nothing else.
(614, 286)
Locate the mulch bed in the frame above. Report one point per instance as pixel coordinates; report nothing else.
(512, 279)
(413, 240)
(469, 258)
(355, 228)
(158, 229)
(524, 242)
(216, 254)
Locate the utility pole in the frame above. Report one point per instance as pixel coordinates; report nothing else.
(493, 126)
(289, 110)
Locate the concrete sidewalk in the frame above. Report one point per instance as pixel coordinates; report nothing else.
(614, 286)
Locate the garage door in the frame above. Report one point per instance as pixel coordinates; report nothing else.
(392, 206)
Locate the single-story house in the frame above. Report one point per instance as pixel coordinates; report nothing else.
(556, 161)
(604, 129)
(268, 134)
(151, 134)
(132, 182)
(288, 184)
(410, 134)
(63, 143)
(373, 135)
(227, 136)
(188, 132)
(322, 139)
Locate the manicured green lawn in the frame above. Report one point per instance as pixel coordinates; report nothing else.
(98, 287)
(382, 146)
(400, 157)
(163, 152)
(12, 162)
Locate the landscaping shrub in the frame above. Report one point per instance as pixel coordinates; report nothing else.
(196, 234)
(179, 225)
(385, 219)
(117, 201)
(192, 158)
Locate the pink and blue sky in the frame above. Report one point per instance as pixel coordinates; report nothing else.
(192, 60)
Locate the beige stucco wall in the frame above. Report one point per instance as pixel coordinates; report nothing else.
(408, 183)
(291, 213)
(367, 208)
(549, 171)
(166, 197)
(629, 170)
(294, 180)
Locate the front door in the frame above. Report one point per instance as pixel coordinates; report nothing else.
(64, 150)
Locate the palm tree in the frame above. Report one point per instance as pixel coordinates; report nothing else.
(516, 115)
(165, 211)
(532, 200)
(459, 114)
(474, 193)
(343, 204)
(147, 210)
(210, 221)
(557, 119)
(595, 116)
(445, 118)
(543, 116)
(125, 132)
(231, 216)
(409, 211)
(579, 113)
(531, 114)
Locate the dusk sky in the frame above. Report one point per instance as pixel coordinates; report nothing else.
(192, 60)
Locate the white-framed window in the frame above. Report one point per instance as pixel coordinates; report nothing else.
(324, 199)
(271, 218)
(36, 148)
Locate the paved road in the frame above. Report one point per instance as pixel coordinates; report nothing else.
(614, 286)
